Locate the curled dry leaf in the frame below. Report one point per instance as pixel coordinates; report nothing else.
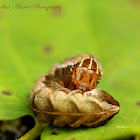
(66, 95)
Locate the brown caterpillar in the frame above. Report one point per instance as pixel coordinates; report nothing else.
(66, 95)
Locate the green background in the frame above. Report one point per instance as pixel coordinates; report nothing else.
(109, 30)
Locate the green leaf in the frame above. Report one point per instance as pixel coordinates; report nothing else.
(102, 132)
(32, 40)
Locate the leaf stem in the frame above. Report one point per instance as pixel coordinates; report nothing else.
(34, 132)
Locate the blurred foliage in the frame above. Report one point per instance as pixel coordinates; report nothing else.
(32, 40)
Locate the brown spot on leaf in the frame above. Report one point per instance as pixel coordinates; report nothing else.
(6, 92)
(72, 138)
(136, 2)
(58, 11)
(55, 133)
(138, 103)
(48, 49)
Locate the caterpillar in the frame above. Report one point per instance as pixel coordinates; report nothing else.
(67, 95)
